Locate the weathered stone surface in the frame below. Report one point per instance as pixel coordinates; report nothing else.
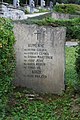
(63, 16)
(56, 15)
(40, 57)
(8, 11)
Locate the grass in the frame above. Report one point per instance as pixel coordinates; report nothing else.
(27, 105)
(71, 75)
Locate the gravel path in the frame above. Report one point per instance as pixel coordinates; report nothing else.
(33, 15)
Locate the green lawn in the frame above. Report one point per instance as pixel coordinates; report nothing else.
(47, 107)
(71, 75)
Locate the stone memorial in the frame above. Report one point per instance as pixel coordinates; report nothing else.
(42, 3)
(16, 3)
(57, 15)
(40, 61)
(51, 6)
(32, 7)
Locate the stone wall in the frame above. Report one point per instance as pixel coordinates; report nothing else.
(56, 15)
(40, 61)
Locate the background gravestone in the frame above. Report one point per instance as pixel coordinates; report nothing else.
(40, 57)
(16, 3)
(56, 15)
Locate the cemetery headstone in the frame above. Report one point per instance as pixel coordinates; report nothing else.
(57, 15)
(16, 3)
(30, 2)
(8, 11)
(32, 6)
(40, 57)
(42, 3)
(51, 5)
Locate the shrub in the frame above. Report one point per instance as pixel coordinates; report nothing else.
(43, 10)
(67, 8)
(27, 11)
(7, 63)
(73, 32)
(78, 60)
(72, 26)
(77, 65)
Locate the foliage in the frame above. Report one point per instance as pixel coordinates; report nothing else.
(73, 32)
(73, 68)
(43, 10)
(74, 1)
(71, 74)
(78, 60)
(72, 25)
(26, 11)
(47, 108)
(68, 1)
(67, 8)
(6, 61)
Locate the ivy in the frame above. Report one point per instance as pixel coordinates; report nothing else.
(7, 62)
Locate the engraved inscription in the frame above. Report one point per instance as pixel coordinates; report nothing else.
(35, 56)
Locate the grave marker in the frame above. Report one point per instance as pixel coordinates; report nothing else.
(51, 5)
(32, 6)
(16, 3)
(40, 57)
(42, 3)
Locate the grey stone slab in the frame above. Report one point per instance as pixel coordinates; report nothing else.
(71, 44)
(40, 61)
(63, 16)
(9, 12)
(56, 15)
